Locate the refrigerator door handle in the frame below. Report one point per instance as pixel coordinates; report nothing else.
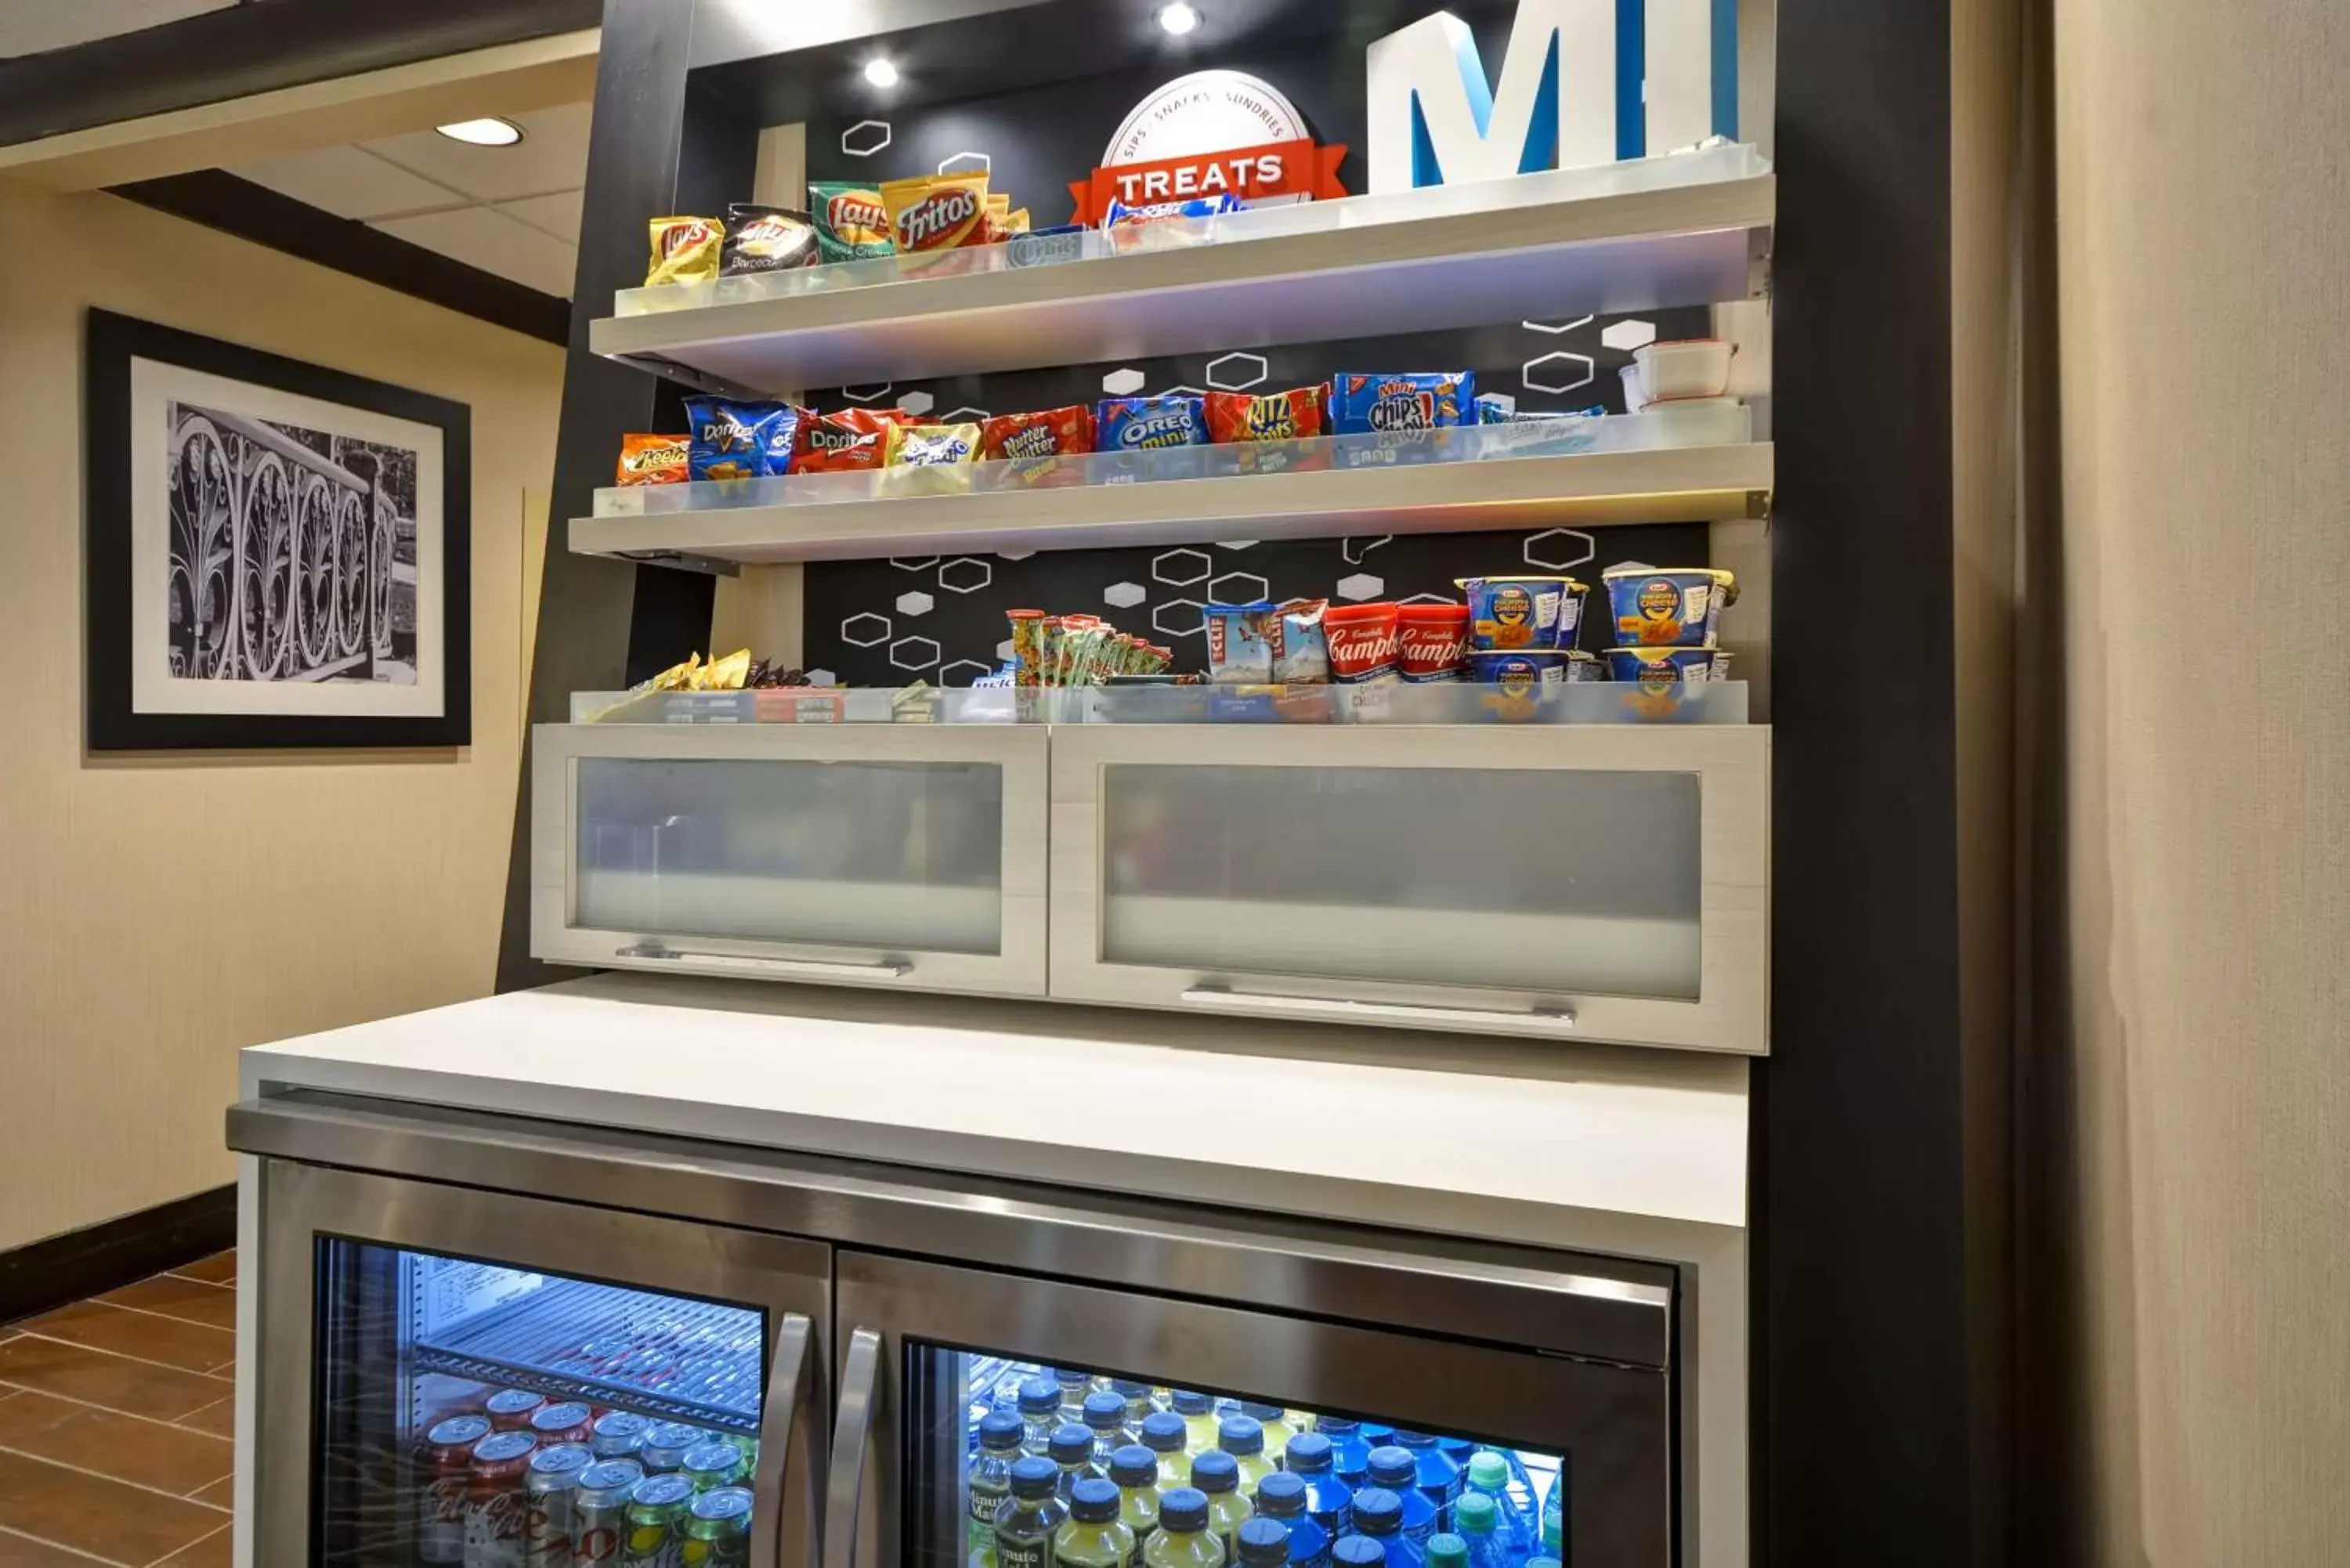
(1224, 999)
(787, 1385)
(753, 964)
(850, 1437)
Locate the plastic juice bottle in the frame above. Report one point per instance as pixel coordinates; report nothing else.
(1199, 1413)
(1093, 1537)
(1031, 1515)
(1480, 1534)
(1135, 1469)
(1040, 1412)
(1278, 1428)
(1183, 1540)
(1553, 1514)
(1350, 1454)
(1166, 1437)
(1440, 1476)
(1218, 1475)
(1264, 1543)
(1281, 1496)
(1447, 1551)
(990, 1481)
(1358, 1551)
(1394, 1468)
(1105, 1417)
(1378, 1513)
(1139, 1405)
(1243, 1439)
(1326, 1497)
(1072, 1449)
(1489, 1476)
(1074, 1384)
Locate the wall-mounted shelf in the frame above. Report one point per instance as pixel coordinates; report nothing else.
(1689, 229)
(1603, 470)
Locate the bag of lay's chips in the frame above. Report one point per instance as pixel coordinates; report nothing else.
(851, 224)
(684, 250)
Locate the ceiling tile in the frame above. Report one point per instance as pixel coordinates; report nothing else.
(348, 182)
(557, 215)
(551, 156)
(482, 237)
(32, 26)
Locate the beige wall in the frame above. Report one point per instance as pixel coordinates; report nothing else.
(155, 915)
(2201, 1156)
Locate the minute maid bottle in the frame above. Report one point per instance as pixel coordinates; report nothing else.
(1031, 1515)
(991, 1482)
(1093, 1537)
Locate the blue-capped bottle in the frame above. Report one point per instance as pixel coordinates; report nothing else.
(1040, 1412)
(1199, 1413)
(1553, 1516)
(1378, 1513)
(1264, 1543)
(1072, 1449)
(1326, 1497)
(1281, 1496)
(1165, 1435)
(1357, 1552)
(1030, 1517)
(1243, 1437)
(1440, 1476)
(1105, 1417)
(1351, 1453)
(1135, 1468)
(1184, 1539)
(990, 1482)
(1075, 1384)
(1394, 1468)
(1489, 1476)
(1215, 1474)
(1277, 1427)
(1139, 1405)
(1474, 1520)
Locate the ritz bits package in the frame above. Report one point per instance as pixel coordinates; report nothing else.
(932, 214)
(851, 440)
(1269, 416)
(851, 224)
(685, 250)
(652, 460)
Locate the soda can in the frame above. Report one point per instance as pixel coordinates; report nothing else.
(717, 1532)
(657, 1513)
(666, 1445)
(570, 1422)
(494, 1500)
(550, 1488)
(620, 1433)
(713, 1465)
(599, 1510)
(447, 1462)
(511, 1409)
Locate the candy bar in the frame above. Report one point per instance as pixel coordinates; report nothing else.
(1240, 643)
(1301, 649)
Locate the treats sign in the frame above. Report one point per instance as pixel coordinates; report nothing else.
(1576, 90)
(1204, 137)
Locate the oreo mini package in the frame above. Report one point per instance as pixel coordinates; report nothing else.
(1146, 424)
(851, 224)
(739, 440)
(1363, 404)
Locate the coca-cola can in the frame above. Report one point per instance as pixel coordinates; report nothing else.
(494, 1503)
(570, 1422)
(550, 1526)
(599, 1510)
(511, 1409)
(447, 1462)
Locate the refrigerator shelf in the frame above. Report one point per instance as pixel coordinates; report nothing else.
(659, 1355)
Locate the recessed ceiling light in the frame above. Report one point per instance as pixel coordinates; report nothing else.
(492, 132)
(1178, 18)
(880, 73)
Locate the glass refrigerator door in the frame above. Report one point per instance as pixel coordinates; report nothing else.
(949, 1378)
(493, 1381)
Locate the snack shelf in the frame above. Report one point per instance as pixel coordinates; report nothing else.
(1694, 465)
(1690, 228)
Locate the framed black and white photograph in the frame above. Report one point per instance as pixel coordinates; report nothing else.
(277, 551)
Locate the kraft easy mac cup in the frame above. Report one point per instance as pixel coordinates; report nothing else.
(1668, 606)
(1507, 614)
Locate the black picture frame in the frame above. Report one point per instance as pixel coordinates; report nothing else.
(114, 722)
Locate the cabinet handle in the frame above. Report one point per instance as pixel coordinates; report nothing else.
(850, 1436)
(787, 1380)
(1223, 999)
(751, 963)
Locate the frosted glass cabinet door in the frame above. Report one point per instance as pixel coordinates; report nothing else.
(872, 855)
(1560, 881)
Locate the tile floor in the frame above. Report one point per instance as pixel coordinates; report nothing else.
(115, 1422)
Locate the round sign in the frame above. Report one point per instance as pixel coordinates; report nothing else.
(1207, 111)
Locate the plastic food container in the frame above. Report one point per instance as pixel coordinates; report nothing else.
(1430, 640)
(1660, 667)
(1636, 396)
(1362, 639)
(1510, 612)
(1519, 682)
(1668, 606)
(1685, 367)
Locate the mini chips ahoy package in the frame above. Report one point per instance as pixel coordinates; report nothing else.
(1361, 404)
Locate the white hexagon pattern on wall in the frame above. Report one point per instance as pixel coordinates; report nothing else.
(822, 678)
(970, 576)
(1628, 335)
(1428, 599)
(915, 403)
(974, 163)
(964, 416)
(1556, 549)
(1167, 562)
(1125, 595)
(866, 145)
(1245, 371)
(1238, 588)
(1235, 544)
(1179, 393)
(877, 624)
(872, 394)
(914, 604)
(1014, 555)
(972, 670)
(1562, 327)
(1182, 611)
(1361, 585)
(1003, 648)
(1122, 383)
(913, 653)
(1354, 547)
(914, 562)
(1563, 371)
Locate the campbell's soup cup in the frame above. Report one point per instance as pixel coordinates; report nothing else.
(1510, 612)
(1362, 639)
(1669, 606)
(1430, 640)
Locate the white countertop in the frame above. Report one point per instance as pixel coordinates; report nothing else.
(1227, 1112)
